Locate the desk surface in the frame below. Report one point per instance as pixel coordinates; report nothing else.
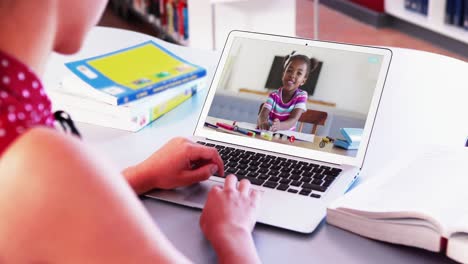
(420, 104)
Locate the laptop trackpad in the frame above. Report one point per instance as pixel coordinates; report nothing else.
(193, 196)
(199, 192)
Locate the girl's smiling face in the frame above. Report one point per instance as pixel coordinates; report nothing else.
(294, 75)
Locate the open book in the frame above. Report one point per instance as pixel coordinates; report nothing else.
(420, 200)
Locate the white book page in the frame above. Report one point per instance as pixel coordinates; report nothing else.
(460, 220)
(432, 185)
(457, 248)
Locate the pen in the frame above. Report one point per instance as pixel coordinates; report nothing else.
(225, 126)
(210, 125)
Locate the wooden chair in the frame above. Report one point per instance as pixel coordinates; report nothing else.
(314, 117)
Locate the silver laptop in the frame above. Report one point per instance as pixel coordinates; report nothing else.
(299, 172)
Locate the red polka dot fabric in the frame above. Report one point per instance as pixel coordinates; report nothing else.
(23, 102)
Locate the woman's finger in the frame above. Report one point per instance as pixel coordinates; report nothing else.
(198, 152)
(230, 183)
(244, 187)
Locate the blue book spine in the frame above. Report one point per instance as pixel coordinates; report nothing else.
(418, 6)
(449, 8)
(186, 25)
(424, 7)
(458, 13)
(176, 20)
(408, 4)
(161, 86)
(414, 5)
(465, 25)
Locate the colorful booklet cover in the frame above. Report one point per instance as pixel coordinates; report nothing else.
(132, 73)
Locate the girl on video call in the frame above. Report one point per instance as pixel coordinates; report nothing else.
(282, 109)
(62, 203)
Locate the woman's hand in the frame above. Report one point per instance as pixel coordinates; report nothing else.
(180, 162)
(228, 218)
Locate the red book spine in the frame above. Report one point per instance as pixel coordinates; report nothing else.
(180, 13)
(443, 245)
(162, 9)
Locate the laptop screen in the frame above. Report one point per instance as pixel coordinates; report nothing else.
(311, 97)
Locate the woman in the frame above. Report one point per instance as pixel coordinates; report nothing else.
(60, 202)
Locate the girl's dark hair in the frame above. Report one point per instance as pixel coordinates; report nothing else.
(311, 63)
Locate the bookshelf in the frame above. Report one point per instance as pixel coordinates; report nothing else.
(167, 17)
(435, 19)
(210, 21)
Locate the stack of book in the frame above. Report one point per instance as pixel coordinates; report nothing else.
(351, 138)
(127, 89)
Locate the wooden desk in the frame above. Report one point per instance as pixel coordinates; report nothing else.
(315, 145)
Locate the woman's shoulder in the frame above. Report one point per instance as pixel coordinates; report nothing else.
(39, 142)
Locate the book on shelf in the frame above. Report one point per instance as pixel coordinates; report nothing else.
(424, 7)
(132, 73)
(458, 12)
(465, 15)
(170, 16)
(419, 200)
(418, 6)
(132, 116)
(449, 10)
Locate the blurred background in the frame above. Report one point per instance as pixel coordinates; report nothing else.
(438, 26)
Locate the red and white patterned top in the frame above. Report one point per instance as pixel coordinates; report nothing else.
(23, 102)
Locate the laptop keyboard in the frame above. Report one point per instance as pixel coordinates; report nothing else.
(299, 177)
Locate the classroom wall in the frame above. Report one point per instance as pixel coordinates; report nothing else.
(347, 78)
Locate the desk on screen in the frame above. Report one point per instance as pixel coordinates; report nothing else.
(315, 144)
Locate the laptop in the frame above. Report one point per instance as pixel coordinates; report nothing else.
(299, 173)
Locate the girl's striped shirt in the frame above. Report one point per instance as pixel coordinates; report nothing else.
(279, 109)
